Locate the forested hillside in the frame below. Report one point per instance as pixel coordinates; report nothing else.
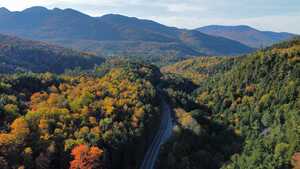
(51, 122)
(19, 55)
(200, 68)
(256, 106)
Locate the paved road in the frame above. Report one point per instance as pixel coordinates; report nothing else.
(163, 133)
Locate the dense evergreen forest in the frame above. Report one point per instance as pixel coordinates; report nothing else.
(229, 113)
(253, 117)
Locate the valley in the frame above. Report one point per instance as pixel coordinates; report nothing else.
(119, 92)
(121, 110)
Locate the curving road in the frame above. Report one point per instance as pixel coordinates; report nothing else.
(163, 133)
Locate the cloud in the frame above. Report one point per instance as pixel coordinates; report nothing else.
(17, 5)
(267, 23)
(183, 7)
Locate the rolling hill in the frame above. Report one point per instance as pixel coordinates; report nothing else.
(114, 35)
(246, 35)
(26, 55)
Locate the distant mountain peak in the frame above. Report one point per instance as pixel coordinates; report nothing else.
(114, 15)
(242, 27)
(118, 17)
(4, 10)
(72, 11)
(246, 34)
(228, 27)
(36, 9)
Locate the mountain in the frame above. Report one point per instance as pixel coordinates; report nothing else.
(246, 35)
(26, 55)
(114, 35)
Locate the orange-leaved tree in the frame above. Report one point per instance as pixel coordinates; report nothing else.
(86, 157)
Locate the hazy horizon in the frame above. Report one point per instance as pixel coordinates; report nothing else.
(271, 15)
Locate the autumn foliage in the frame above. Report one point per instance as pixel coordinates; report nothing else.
(86, 157)
(44, 116)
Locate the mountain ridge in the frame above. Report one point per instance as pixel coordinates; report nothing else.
(247, 35)
(60, 25)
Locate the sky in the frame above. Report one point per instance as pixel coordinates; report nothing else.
(273, 15)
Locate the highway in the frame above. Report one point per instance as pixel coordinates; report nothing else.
(162, 135)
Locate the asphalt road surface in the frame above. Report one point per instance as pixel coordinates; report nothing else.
(162, 135)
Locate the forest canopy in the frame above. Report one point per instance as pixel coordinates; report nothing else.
(50, 121)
